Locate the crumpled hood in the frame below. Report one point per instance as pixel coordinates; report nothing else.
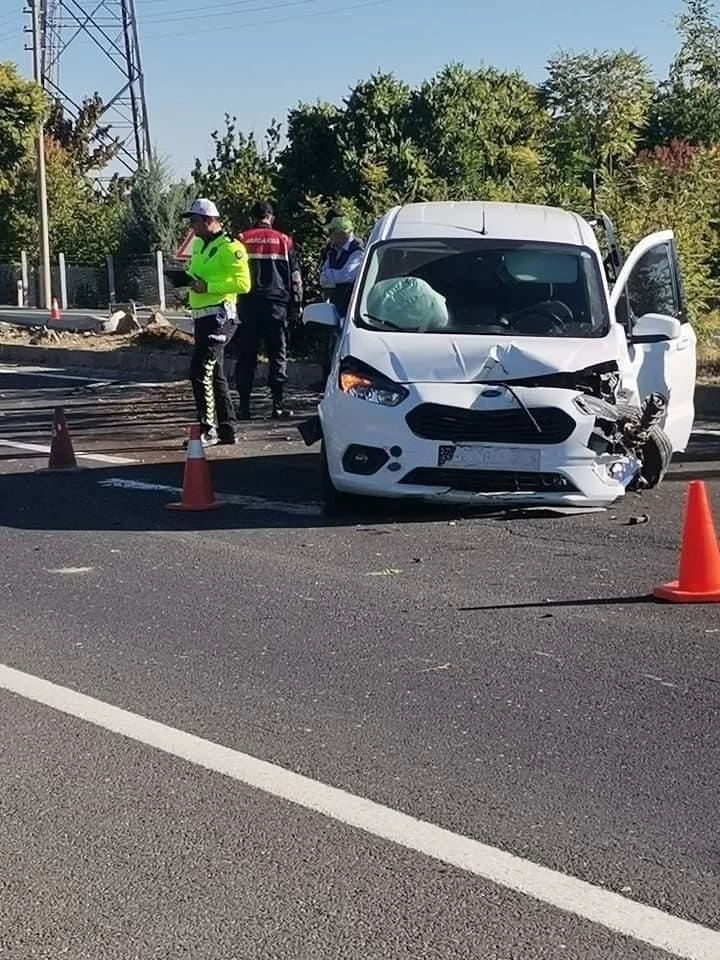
(444, 358)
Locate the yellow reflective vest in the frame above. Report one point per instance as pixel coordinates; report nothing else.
(223, 264)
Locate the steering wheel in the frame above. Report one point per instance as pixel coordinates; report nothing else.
(553, 315)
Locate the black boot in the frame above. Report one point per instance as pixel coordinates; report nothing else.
(279, 410)
(226, 434)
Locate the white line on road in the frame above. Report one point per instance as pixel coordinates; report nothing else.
(56, 373)
(50, 373)
(43, 448)
(236, 499)
(627, 917)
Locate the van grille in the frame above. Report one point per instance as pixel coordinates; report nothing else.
(434, 421)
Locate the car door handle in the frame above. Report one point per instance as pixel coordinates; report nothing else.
(683, 344)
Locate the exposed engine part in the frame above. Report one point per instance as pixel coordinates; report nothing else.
(625, 430)
(652, 412)
(600, 381)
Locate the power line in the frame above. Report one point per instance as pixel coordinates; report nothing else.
(149, 3)
(272, 22)
(224, 5)
(11, 34)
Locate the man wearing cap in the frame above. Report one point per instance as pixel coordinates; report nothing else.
(218, 272)
(264, 312)
(343, 259)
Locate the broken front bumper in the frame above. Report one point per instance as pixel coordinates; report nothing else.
(466, 443)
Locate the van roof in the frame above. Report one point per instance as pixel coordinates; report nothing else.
(506, 221)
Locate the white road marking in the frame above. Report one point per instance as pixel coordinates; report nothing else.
(43, 448)
(56, 373)
(49, 373)
(71, 570)
(304, 509)
(611, 910)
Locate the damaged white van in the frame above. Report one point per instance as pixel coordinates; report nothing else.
(490, 354)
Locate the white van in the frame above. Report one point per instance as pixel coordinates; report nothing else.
(485, 358)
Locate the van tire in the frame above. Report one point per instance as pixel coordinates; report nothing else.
(657, 452)
(656, 456)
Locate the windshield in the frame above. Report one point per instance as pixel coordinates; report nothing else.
(484, 287)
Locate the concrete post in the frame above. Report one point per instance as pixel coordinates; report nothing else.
(160, 280)
(111, 278)
(25, 279)
(63, 282)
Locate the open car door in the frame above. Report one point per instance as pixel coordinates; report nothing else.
(649, 302)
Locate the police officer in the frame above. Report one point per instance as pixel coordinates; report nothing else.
(264, 312)
(342, 260)
(219, 271)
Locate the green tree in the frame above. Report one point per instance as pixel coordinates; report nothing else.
(153, 210)
(598, 105)
(673, 187)
(381, 163)
(84, 223)
(88, 144)
(239, 173)
(481, 132)
(311, 162)
(22, 110)
(687, 105)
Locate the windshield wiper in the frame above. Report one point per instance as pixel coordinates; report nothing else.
(385, 323)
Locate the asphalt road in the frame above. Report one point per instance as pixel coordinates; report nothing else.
(505, 679)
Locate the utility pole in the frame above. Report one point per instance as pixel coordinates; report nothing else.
(45, 277)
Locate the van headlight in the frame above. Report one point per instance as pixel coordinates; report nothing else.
(359, 380)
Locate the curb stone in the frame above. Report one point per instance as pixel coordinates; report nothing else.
(158, 363)
(174, 367)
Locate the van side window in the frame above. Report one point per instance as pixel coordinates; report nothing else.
(652, 286)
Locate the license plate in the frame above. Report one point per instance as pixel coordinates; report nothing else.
(476, 456)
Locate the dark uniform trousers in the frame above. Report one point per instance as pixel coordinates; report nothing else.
(207, 374)
(340, 298)
(261, 320)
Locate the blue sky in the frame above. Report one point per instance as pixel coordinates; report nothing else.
(257, 58)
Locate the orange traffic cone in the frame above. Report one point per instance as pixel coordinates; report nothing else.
(197, 491)
(62, 455)
(54, 310)
(699, 575)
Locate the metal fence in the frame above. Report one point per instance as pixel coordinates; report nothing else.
(9, 275)
(86, 286)
(92, 286)
(137, 279)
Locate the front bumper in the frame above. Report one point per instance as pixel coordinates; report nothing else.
(493, 454)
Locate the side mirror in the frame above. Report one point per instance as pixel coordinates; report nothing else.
(321, 315)
(655, 327)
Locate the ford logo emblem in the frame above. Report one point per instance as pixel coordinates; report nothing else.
(491, 393)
